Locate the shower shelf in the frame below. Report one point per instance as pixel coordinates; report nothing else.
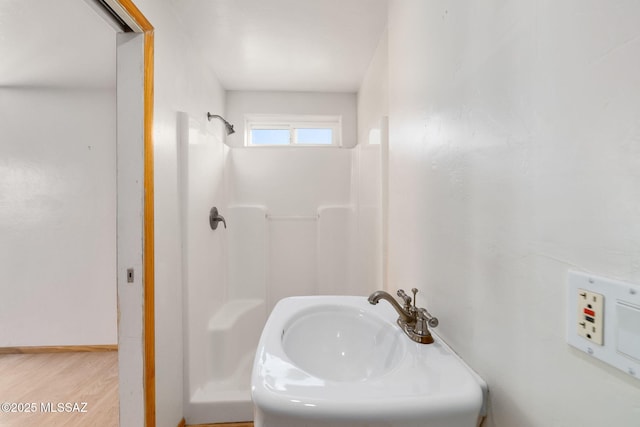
(292, 217)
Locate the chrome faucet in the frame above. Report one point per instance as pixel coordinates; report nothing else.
(414, 321)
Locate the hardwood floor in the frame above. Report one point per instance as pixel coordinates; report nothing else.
(50, 379)
(59, 389)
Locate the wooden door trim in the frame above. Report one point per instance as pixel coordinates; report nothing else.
(147, 29)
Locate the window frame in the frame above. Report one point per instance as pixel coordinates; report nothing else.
(292, 122)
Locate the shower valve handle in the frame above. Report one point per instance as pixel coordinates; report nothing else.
(215, 218)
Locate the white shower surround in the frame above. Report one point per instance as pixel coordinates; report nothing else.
(295, 227)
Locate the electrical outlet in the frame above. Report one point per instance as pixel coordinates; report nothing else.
(591, 316)
(613, 309)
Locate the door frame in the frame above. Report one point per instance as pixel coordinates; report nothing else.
(135, 199)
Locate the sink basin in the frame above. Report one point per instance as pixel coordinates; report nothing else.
(338, 361)
(338, 343)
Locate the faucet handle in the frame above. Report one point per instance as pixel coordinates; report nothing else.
(405, 297)
(431, 320)
(415, 291)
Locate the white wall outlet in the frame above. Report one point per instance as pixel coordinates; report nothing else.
(603, 320)
(590, 316)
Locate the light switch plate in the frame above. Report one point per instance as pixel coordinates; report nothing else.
(619, 343)
(628, 330)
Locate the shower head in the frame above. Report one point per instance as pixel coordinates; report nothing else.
(227, 125)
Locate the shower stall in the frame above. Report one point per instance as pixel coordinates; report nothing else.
(300, 221)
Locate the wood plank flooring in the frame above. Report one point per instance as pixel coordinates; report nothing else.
(48, 380)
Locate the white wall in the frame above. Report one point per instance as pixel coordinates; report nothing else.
(240, 103)
(57, 176)
(306, 192)
(57, 217)
(369, 157)
(373, 96)
(201, 167)
(514, 157)
(289, 181)
(182, 84)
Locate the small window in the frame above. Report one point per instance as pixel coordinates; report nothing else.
(270, 136)
(314, 136)
(281, 130)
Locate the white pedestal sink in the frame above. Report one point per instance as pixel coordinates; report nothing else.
(337, 361)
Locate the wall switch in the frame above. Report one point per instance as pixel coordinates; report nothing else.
(590, 316)
(628, 330)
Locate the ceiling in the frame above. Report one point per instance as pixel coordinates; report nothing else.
(285, 45)
(291, 45)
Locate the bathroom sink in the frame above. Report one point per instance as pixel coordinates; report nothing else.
(342, 343)
(338, 361)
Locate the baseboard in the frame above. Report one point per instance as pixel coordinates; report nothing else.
(58, 349)
(245, 424)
